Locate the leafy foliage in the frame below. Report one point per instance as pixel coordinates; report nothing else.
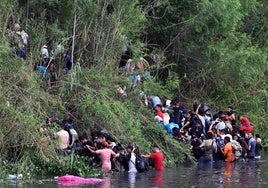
(212, 51)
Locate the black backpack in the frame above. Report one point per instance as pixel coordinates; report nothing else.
(141, 164)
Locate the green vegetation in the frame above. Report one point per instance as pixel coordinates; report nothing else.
(214, 52)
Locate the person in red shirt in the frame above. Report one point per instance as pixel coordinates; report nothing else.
(158, 111)
(246, 125)
(157, 157)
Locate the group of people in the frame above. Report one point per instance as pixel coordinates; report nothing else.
(136, 69)
(18, 41)
(212, 136)
(52, 58)
(218, 136)
(102, 149)
(49, 58)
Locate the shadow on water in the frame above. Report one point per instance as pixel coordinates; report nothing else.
(250, 173)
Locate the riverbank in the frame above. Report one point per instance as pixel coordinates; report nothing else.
(252, 173)
(202, 69)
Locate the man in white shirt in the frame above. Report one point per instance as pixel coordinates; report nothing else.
(63, 139)
(44, 52)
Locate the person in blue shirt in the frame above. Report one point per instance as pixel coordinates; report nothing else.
(45, 74)
(251, 146)
(170, 126)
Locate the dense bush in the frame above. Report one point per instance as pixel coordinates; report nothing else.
(203, 51)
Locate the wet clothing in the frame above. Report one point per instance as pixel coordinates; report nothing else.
(208, 146)
(258, 149)
(105, 156)
(220, 144)
(228, 152)
(158, 159)
(252, 146)
(132, 163)
(244, 145)
(197, 152)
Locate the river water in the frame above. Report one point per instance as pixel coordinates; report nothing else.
(251, 173)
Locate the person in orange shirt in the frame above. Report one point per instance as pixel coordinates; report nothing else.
(228, 150)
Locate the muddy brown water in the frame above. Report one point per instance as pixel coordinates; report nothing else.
(252, 173)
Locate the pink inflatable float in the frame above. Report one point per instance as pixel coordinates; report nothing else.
(76, 180)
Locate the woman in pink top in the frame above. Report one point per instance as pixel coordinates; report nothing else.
(105, 156)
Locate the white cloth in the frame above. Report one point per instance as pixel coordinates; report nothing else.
(158, 119)
(228, 135)
(168, 102)
(221, 125)
(132, 163)
(166, 119)
(44, 52)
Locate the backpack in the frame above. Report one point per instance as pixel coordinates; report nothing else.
(237, 149)
(220, 144)
(141, 164)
